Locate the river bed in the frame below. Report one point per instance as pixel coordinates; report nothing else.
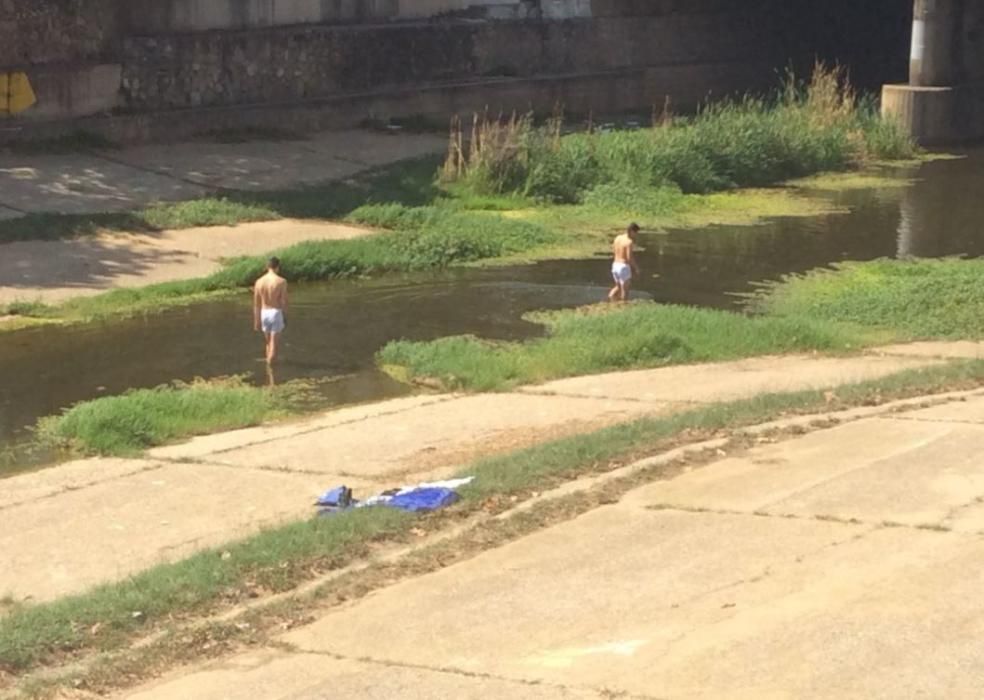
(336, 328)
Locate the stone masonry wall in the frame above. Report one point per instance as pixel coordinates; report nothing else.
(52, 31)
(294, 64)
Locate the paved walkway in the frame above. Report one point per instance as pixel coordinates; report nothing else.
(846, 563)
(135, 513)
(128, 179)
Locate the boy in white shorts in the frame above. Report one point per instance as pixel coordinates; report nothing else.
(270, 307)
(624, 265)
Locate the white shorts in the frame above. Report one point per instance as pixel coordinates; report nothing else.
(272, 321)
(621, 272)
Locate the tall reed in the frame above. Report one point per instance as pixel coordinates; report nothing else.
(804, 128)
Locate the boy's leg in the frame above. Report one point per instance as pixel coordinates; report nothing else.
(272, 347)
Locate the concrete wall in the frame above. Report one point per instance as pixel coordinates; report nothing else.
(284, 65)
(50, 31)
(74, 91)
(350, 59)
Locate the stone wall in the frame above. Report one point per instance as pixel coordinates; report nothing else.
(52, 31)
(286, 65)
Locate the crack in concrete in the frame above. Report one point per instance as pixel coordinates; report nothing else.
(821, 517)
(160, 173)
(159, 464)
(11, 207)
(626, 399)
(952, 513)
(265, 468)
(310, 431)
(944, 421)
(474, 675)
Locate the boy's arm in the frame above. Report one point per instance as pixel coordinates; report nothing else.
(257, 305)
(632, 260)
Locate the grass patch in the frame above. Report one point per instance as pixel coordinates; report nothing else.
(913, 299)
(142, 418)
(598, 339)
(840, 182)
(423, 238)
(111, 616)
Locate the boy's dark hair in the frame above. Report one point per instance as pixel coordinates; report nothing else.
(633, 228)
(273, 263)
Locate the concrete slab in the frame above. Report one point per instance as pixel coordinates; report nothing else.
(434, 438)
(372, 148)
(6, 213)
(209, 445)
(53, 271)
(969, 518)
(82, 183)
(959, 349)
(70, 476)
(589, 602)
(731, 380)
(921, 486)
(773, 477)
(256, 165)
(57, 546)
(685, 605)
(277, 675)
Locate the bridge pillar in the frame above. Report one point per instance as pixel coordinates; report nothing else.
(933, 60)
(939, 105)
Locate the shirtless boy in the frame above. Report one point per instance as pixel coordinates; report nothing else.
(624, 265)
(270, 307)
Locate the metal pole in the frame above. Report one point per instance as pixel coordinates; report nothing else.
(934, 28)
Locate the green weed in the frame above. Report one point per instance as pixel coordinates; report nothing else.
(913, 299)
(142, 418)
(601, 339)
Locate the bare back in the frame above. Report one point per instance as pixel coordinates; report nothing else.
(270, 292)
(622, 249)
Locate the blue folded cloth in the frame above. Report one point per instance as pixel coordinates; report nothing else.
(340, 496)
(423, 499)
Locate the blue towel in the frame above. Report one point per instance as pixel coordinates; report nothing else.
(340, 496)
(422, 500)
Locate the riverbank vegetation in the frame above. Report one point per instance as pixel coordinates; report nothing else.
(830, 310)
(142, 418)
(597, 339)
(518, 190)
(912, 299)
(172, 598)
(805, 129)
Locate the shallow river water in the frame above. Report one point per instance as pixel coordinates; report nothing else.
(337, 327)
